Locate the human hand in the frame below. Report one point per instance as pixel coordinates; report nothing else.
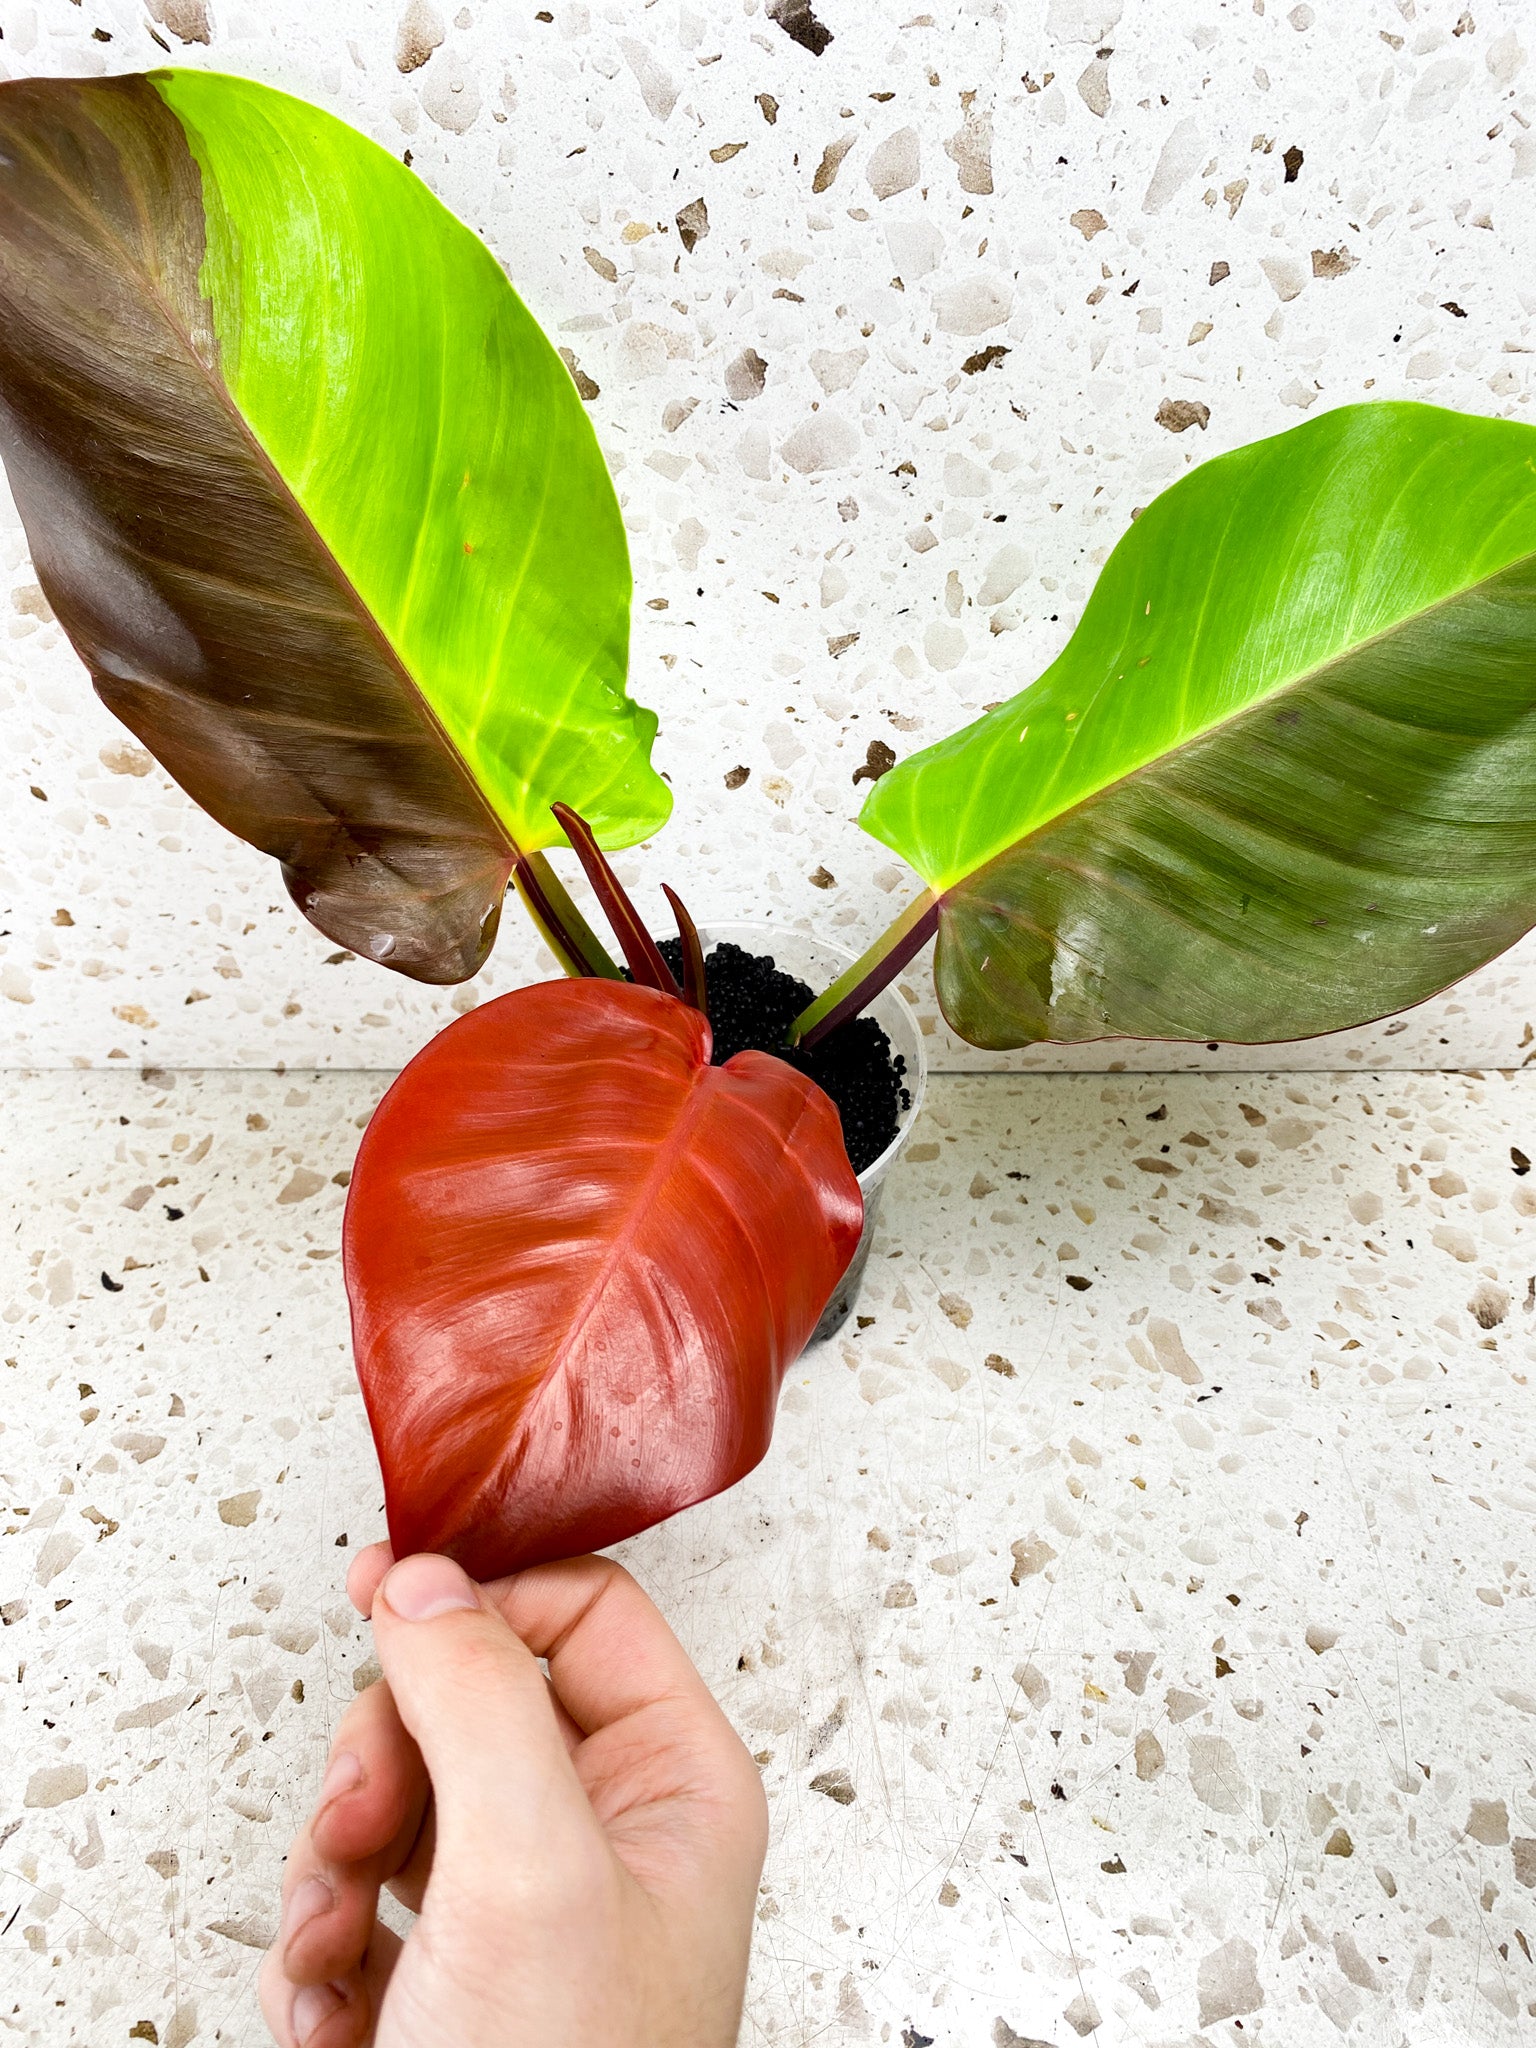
(583, 1849)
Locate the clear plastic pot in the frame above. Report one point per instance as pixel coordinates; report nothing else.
(819, 961)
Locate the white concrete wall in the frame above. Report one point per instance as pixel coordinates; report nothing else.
(861, 484)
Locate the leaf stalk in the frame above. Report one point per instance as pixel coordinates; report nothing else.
(591, 953)
(874, 970)
(537, 899)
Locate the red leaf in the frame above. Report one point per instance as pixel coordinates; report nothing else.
(580, 1261)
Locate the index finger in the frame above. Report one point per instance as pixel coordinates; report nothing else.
(366, 1573)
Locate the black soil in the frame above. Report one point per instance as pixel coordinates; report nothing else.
(752, 1004)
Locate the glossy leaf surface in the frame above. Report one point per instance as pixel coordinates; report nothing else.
(580, 1260)
(1283, 777)
(315, 500)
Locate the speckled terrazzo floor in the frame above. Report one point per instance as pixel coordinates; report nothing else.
(1129, 1620)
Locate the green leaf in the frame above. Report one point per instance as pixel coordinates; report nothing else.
(1282, 779)
(315, 500)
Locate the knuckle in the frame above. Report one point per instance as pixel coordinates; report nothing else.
(586, 1577)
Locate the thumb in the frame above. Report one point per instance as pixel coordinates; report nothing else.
(479, 1708)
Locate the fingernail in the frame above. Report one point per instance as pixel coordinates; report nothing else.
(342, 1773)
(312, 2007)
(308, 1899)
(421, 1588)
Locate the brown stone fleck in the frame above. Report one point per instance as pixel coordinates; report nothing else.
(831, 163)
(1333, 262)
(879, 759)
(744, 376)
(187, 20)
(1031, 1555)
(1179, 414)
(800, 24)
(984, 359)
(835, 1785)
(421, 32)
(586, 388)
(692, 224)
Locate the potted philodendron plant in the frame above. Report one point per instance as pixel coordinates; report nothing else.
(317, 504)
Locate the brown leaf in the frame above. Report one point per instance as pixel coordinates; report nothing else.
(101, 205)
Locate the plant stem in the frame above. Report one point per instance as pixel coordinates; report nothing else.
(589, 947)
(557, 920)
(856, 989)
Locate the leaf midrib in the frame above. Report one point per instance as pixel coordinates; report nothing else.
(416, 695)
(639, 1209)
(1292, 682)
(662, 1162)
